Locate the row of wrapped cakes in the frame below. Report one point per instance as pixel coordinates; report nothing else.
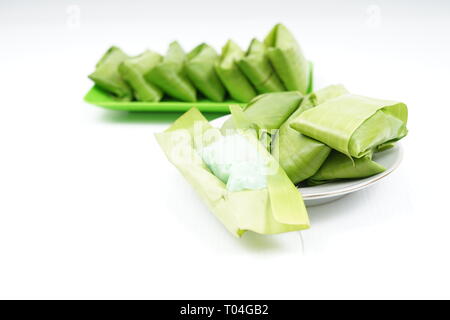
(275, 65)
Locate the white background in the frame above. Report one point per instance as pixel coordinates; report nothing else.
(90, 207)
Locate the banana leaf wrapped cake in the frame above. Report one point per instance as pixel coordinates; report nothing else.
(354, 125)
(287, 59)
(354, 128)
(244, 193)
(107, 76)
(133, 70)
(237, 84)
(170, 75)
(338, 166)
(299, 155)
(256, 66)
(269, 111)
(200, 67)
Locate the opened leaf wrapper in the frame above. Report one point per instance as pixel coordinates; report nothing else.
(299, 155)
(170, 75)
(354, 125)
(133, 70)
(287, 59)
(200, 67)
(237, 85)
(254, 194)
(256, 66)
(107, 76)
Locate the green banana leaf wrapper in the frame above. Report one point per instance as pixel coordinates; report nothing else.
(339, 166)
(256, 66)
(287, 59)
(200, 68)
(275, 209)
(133, 70)
(270, 110)
(299, 155)
(237, 85)
(354, 125)
(107, 76)
(170, 75)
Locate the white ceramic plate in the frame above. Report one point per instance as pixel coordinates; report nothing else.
(325, 193)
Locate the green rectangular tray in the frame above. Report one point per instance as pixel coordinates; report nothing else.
(101, 98)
